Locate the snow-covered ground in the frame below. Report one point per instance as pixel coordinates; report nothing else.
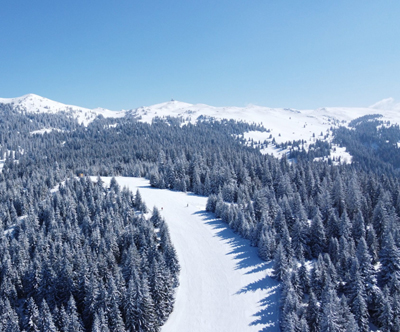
(339, 155)
(224, 285)
(43, 131)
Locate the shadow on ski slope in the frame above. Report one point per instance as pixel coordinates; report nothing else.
(246, 257)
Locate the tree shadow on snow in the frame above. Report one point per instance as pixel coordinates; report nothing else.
(246, 257)
(268, 316)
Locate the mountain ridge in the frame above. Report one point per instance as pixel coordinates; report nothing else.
(282, 124)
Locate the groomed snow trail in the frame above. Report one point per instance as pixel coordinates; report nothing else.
(224, 285)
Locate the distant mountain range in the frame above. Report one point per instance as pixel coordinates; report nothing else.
(283, 124)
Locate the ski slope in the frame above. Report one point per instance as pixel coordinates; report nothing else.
(224, 285)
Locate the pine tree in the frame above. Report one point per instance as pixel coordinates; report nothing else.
(46, 322)
(367, 271)
(139, 203)
(281, 263)
(317, 235)
(372, 243)
(313, 313)
(32, 315)
(329, 320)
(389, 258)
(131, 306)
(75, 322)
(386, 316)
(146, 319)
(100, 323)
(359, 227)
(347, 320)
(300, 239)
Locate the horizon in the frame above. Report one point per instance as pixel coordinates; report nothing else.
(121, 55)
(384, 104)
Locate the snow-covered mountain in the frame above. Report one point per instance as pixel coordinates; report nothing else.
(286, 124)
(32, 103)
(283, 124)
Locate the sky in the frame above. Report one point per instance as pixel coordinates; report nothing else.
(126, 54)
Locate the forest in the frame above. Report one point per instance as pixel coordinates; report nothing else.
(78, 256)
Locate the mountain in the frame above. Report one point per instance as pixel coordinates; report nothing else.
(32, 103)
(283, 124)
(286, 124)
(291, 124)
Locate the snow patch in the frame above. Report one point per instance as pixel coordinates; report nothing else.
(44, 130)
(338, 155)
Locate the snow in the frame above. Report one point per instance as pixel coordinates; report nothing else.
(386, 104)
(257, 136)
(284, 124)
(32, 103)
(224, 285)
(274, 151)
(338, 155)
(291, 124)
(44, 130)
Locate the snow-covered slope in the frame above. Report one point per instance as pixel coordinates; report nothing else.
(284, 124)
(32, 103)
(224, 285)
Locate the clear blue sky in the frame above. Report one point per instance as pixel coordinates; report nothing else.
(125, 54)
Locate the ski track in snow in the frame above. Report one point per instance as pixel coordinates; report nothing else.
(224, 285)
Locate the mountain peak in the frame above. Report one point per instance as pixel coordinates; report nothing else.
(31, 96)
(386, 104)
(33, 103)
(170, 105)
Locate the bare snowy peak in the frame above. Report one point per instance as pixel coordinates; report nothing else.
(171, 105)
(386, 104)
(32, 103)
(25, 99)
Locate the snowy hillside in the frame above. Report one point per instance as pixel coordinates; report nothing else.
(283, 124)
(32, 103)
